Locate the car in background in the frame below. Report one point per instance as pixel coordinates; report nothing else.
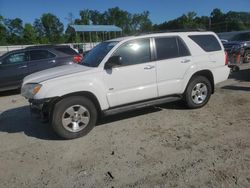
(17, 64)
(237, 45)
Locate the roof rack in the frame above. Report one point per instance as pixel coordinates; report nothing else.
(45, 46)
(172, 31)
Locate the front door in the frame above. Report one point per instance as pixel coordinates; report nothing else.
(135, 79)
(13, 68)
(41, 60)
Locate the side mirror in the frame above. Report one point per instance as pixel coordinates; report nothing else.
(113, 61)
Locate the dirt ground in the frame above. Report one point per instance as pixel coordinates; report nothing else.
(162, 146)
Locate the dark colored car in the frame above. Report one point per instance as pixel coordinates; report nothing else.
(237, 44)
(17, 64)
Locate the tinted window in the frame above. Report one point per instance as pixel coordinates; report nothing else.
(183, 50)
(95, 56)
(66, 50)
(166, 48)
(134, 52)
(40, 54)
(16, 58)
(241, 37)
(207, 42)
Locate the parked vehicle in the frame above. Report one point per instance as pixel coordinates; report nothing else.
(237, 45)
(17, 64)
(125, 74)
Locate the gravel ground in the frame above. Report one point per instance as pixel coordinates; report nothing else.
(162, 146)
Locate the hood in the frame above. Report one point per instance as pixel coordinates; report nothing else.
(54, 73)
(232, 43)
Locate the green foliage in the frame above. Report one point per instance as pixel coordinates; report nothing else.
(29, 34)
(53, 28)
(49, 29)
(14, 29)
(3, 32)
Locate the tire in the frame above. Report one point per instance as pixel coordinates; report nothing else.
(74, 117)
(198, 92)
(247, 56)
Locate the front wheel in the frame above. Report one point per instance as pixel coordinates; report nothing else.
(74, 117)
(198, 92)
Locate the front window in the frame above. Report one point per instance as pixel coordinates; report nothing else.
(134, 52)
(16, 58)
(96, 55)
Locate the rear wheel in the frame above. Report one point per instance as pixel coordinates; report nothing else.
(247, 56)
(74, 117)
(198, 92)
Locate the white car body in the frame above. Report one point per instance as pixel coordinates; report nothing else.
(129, 84)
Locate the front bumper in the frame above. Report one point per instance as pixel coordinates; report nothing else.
(40, 107)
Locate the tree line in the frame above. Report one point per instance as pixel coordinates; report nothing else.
(49, 29)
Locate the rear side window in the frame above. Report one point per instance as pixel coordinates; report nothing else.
(166, 48)
(40, 54)
(183, 50)
(207, 42)
(170, 47)
(66, 50)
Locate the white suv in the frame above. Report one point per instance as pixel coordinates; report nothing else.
(125, 74)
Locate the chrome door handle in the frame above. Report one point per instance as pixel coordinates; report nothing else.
(52, 61)
(149, 67)
(185, 61)
(22, 67)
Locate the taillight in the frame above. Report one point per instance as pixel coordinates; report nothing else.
(238, 56)
(226, 58)
(77, 58)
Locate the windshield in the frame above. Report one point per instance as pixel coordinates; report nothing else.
(231, 36)
(96, 55)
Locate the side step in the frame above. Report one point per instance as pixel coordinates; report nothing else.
(139, 105)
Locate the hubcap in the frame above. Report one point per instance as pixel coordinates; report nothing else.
(247, 56)
(199, 93)
(75, 118)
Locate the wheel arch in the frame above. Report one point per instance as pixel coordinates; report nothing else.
(206, 73)
(86, 94)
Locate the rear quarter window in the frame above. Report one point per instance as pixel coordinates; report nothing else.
(207, 42)
(66, 50)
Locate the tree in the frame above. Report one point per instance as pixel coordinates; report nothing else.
(3, 32)
(49, 29)
(118, 17)
(141, 22)
(29, 34)
(85, 17)
(15, 30)
(218, 20)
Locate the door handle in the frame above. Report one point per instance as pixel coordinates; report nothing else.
(185, 61)
(53, 61)
(149, 67)
(22, 67)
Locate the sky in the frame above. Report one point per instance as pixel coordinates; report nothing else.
(160, 10)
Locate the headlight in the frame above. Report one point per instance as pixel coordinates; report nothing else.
(30, 90)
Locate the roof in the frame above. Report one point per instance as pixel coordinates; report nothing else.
(95, 28)
(229, 35)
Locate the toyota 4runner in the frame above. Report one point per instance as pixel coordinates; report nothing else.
(125, 74)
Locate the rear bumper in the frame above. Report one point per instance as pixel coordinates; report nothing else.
(221, 74)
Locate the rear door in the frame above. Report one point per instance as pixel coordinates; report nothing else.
(173, 59)
(13, 68)
(210, 44)
(41, 60)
